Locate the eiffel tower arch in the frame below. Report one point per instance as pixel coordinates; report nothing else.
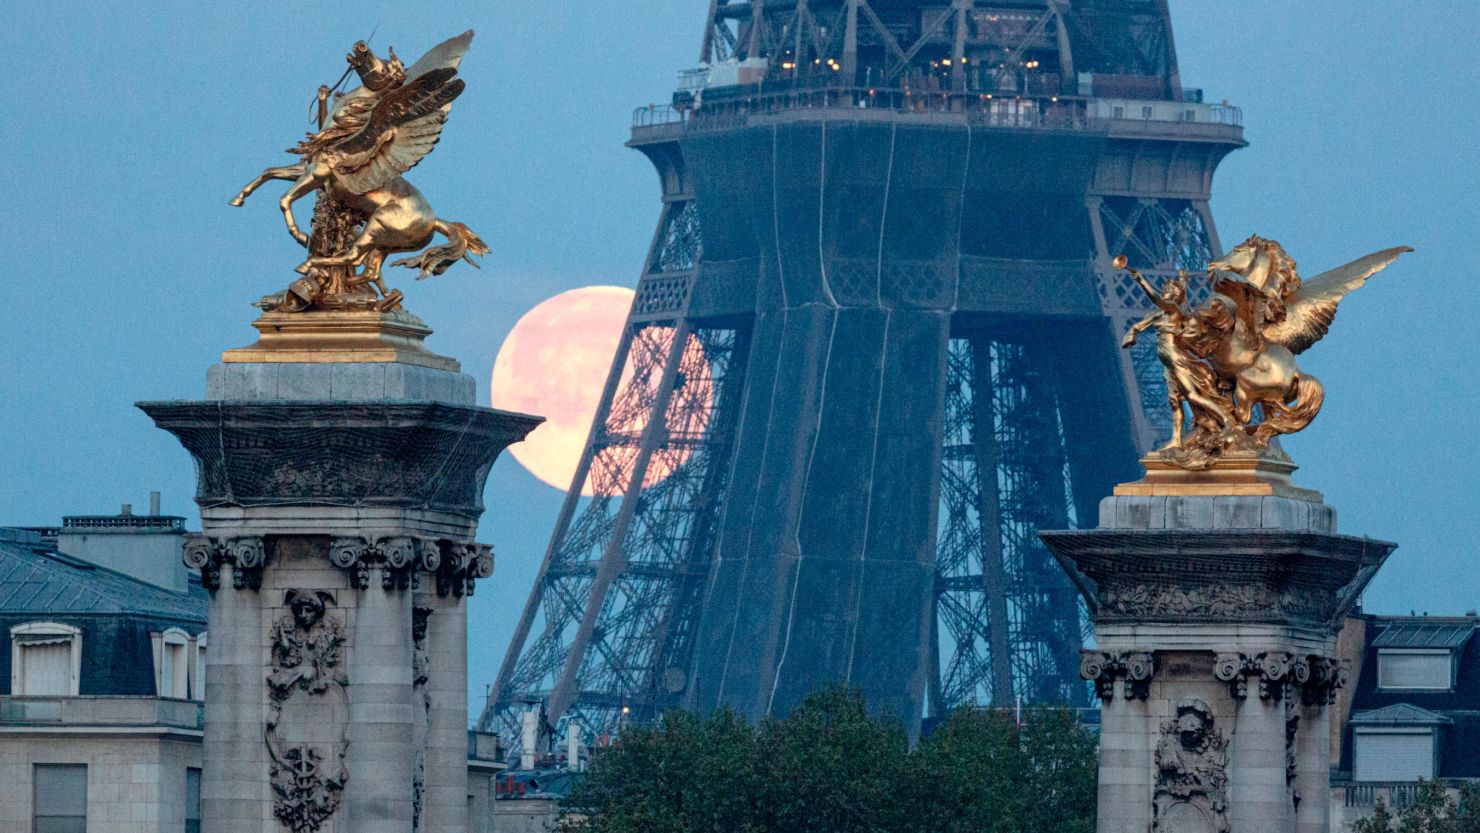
(874, 348)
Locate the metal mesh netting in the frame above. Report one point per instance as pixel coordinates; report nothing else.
(433, 456)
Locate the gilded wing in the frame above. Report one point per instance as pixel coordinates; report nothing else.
(1309, 314)
(447, 54)
(401, 130)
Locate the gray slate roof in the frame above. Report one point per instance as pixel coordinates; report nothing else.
(35, 578)
(1418, 633)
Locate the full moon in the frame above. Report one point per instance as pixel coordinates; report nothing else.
(554, 363)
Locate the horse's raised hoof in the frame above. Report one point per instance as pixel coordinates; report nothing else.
(238, 201)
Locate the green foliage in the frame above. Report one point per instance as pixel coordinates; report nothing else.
(1432, 811)
(831, 767)
(980, 771)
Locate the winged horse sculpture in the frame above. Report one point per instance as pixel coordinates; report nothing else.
(365, 209)
(1233, 357)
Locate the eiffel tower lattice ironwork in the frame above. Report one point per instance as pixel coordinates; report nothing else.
(874, 349)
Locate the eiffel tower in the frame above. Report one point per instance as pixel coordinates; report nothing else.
(874, 349)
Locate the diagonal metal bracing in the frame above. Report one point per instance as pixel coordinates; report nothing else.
(1008, 623)
(620, 596)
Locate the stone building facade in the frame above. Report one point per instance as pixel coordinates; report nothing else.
(100, 687)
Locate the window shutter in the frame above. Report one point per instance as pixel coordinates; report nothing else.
(1414, 670)
(60, 798)
(1394, 757)
(46, 667)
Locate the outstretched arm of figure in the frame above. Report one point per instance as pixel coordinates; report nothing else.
(1138, 328)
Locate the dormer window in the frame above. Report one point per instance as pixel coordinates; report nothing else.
(1419, 653)
(1407, 669)
(198, 669)
(172, 664)
(45, 659)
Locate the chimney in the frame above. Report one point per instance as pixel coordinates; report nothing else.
(145, 547)
(530, 736)
(573, 745)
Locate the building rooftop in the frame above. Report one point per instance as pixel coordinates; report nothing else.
(1424, 632)
(36, 578)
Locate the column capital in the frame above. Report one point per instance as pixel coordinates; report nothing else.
(1133, 668)
(1282, 674)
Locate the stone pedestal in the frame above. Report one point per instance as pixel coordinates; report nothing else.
(1215, 622)
(339, 501)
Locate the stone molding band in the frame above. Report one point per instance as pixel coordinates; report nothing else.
(454, 565)
(1279, 674)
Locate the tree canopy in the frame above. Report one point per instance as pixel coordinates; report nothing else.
(1432, 810)
(831, 766)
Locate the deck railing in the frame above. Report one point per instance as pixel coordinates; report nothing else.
(980, 109)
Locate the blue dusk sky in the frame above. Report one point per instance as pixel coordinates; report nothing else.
(128, 125)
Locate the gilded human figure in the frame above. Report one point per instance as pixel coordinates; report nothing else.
(365, 210)
(1178, 334)
(1232, 359)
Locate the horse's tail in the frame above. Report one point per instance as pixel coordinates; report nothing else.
(461, 244)
(1309, 394)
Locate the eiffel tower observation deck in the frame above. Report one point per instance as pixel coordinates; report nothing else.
(874, 349)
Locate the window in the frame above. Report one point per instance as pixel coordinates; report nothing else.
(45, 659)
(1393, 754)
(192, 800)
(1431, 669)
(172, 664)
(198, 669)
(1189, 115)
(1117, 112)
(59, 801)
(1146, 112)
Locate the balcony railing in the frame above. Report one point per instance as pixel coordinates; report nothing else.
(1396, 795)
(980, 109)
(100, 711)
(170, 522)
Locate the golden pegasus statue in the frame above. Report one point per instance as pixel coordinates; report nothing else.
(365, 210)
(1231, 361)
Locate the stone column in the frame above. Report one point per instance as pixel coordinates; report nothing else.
(340, 490)
(1125, 743)
(234, 777)
(1220, 611)
(1259, 797)
(445, 804)
(380, 791)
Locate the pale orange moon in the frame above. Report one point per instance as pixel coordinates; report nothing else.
(554, 363)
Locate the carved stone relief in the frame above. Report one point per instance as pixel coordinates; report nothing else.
(1134, 669)
(420, 618)
(1292, 729)
(1225, 602)
(307, 770)
(1191, 773)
